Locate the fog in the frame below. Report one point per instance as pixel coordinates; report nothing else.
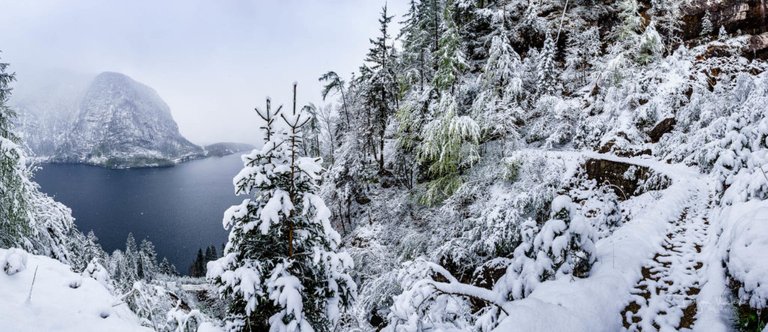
(211, 61)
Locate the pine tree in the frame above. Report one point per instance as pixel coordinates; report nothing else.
(313, 133)
(651, 46)
(382, 86)
(501, 88)
(583, 49)
(546, 70)
(131, 259)
(631, 23)
(706, 25)
(197, 269)
(335, 83)
(420, 35)
(450, 144)
(451, 61)
(667, 15)
(722, 34)
(14, 219)
(280, 267)
(148, 258)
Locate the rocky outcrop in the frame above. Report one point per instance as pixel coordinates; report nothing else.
(627, 180)
(757, 47)
(749, 16)
(661, 128)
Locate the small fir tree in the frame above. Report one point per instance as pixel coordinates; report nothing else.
(281, 269)
(546, 68)
(706, 25)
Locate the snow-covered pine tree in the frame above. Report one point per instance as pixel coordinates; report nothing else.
(583, 49)
(631, 23)
(312, 136)
(651, 46)
(667, 15)
(334, 83)
(281, 269)
(14, 210)
(450, 144)
(501, 88)
(706, 25)
(546, 68)
(451, 61)
(722, 34)
(132, 263)
(418, 45)
(381, 92)
(148, 259)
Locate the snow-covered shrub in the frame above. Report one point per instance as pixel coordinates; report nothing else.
(99, 273)
(180, 320)
(14, 261)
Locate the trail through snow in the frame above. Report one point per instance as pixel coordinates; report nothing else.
(651, 274)
(666, 298)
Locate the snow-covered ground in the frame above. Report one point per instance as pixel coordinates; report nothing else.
(60, 300)
(596, 303)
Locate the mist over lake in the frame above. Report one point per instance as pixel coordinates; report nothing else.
(178, 208)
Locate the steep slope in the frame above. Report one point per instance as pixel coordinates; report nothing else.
(46, 108)
(58, 300)
(122, 123)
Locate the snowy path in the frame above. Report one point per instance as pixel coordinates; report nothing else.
(665, 299)
(649, 274)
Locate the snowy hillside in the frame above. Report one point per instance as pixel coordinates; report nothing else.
(58, 300)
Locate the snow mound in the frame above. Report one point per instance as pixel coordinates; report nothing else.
(746, 242)
(54, 305)
(14, 261)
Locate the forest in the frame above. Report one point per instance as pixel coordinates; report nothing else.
(510, 165)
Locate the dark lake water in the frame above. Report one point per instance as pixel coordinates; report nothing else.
(178, 208)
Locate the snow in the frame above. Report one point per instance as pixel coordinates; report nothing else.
(14, 261)
(61, 300)
(745, 240)
(593, 304)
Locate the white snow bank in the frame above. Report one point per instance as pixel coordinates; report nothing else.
(594, 304)
(61, 300)
(745, 243)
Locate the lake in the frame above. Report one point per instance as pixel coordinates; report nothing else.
(178, 208)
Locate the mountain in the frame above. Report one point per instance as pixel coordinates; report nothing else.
(47, 105)
(122, 123)
(226, 148)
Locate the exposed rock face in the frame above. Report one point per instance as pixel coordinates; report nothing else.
(627, 180)
(122, 123)
(661, 128)
(748, 16)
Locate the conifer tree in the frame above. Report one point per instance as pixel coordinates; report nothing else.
(450, 144)
(382, 86)
(335, 83)
(14, 219)
(501, 88)
(722, 34)
(631, 23)
(451, 60)
(546, 69)
(651, 46)
(148, 259)
(280, 266)
(706, 25)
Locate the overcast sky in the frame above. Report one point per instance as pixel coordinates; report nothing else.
(211, 61)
